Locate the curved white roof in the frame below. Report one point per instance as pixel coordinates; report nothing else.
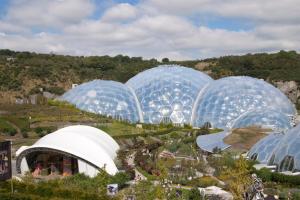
(88, 143)
(211, 141)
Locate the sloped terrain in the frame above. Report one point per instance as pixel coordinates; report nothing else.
(245, 138)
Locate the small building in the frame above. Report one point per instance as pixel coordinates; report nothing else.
(74, 85)
(67, 151)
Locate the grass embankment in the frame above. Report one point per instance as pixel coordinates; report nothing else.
(4, 124)
(119, 128)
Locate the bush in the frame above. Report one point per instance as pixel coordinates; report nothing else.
(202, 131)
(173, 147)
(24, 134)
(175, 135)
(55, 90)
(187, 126)
(42, 131)
(60, 104)
(194, 194)
(10, 131)
(204, 181)
(76, 187)
(267, 175)
(121, 179)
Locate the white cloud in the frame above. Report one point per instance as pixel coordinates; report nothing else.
(150, 29)
(48, 13)
(266, 10)
(120, 12)
(12, 28)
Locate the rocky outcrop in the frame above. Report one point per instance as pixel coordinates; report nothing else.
(291, 89)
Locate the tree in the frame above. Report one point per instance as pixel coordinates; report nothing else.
(121, 179)
(194, 194)
(202, 131)
(145, 190)
(165, 60)
(237, 177)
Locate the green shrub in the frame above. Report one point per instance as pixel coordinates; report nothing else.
(188, 140)
(194, 194)
(121, 179)
(175, 135)
(55, 90)
(267, 175)
(187, 126)
(202, 131)
(173, 147)
(42, 131)
(24, 134)
(78, 187)
(10, 131)
(204, 181)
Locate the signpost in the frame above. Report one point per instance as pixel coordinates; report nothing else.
(5, 161)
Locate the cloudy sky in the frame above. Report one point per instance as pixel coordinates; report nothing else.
(177, 29)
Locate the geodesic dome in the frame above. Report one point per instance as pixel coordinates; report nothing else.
(287, 152)
(264, 118)
(180, 95)
(263, 150)
(168, 93)
(109, 98)
(227, 99)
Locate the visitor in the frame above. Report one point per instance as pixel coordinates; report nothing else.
(53, 169)
(37, 171)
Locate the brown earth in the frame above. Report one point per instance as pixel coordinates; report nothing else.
(244, 138)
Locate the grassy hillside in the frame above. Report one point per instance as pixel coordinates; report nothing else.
(23, 73)
(278, 66)
(26, 72)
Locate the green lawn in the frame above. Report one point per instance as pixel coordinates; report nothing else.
(21, 122)
(118, 128)
(4, 124)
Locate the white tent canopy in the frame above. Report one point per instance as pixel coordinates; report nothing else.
(89, 144)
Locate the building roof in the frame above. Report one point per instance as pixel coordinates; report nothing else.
(211, 141)
(87, 143)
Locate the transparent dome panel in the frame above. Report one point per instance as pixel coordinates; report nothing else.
(109, 98)
(226, 99)
(167, 93)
